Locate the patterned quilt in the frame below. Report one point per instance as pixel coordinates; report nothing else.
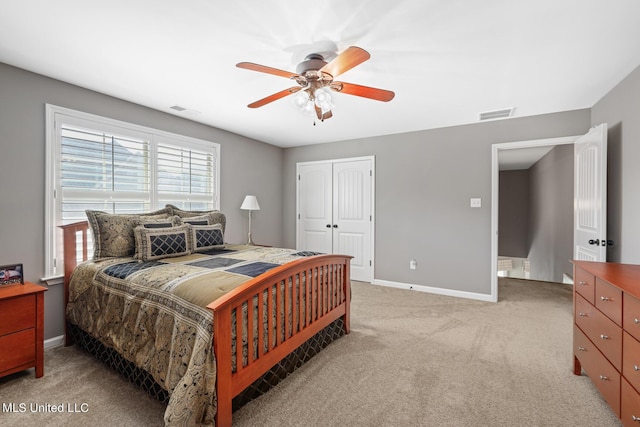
(154, 314)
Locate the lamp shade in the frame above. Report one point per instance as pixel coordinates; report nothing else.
(250, 203)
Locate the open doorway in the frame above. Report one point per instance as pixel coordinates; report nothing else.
(516, 162)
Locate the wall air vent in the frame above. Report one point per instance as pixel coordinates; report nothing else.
(496, 114)
(178, 108)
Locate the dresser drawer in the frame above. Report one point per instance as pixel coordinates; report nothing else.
(17, 314)
(17, 349)
(602, 373)
(609, 300)
(629, 405)
(631, 315)
(585, 284)
(601, 330)
(631, 360)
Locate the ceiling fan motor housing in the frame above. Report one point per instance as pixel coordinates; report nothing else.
(312, 62)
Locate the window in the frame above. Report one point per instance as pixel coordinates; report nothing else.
(103, 164)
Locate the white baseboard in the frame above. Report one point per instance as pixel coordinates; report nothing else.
(432, 290)
(54, 342)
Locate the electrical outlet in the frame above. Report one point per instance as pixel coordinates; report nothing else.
(476, 202)
(413, 264)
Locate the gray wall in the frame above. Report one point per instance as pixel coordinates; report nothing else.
(620, 109)
(247, 167)
(551, 215)
(424, 181)
(513, 214)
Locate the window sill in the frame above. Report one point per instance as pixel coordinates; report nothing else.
(53, 280)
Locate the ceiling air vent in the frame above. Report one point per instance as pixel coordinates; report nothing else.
(185, 110)
(496, 114)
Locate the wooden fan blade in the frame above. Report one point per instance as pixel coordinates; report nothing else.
(264, 69)
(345, 61)
(363, 91)
(274, 97)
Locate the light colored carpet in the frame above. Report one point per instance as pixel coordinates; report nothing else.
(412, 359)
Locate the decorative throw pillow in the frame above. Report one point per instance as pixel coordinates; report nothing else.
(215, 216)
(113, 233)
(206, 237)
(157, 243)
(146, 222)
(197, 220)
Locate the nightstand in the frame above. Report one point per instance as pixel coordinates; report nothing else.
(21, 328)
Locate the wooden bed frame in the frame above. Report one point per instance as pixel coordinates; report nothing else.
(326, 300)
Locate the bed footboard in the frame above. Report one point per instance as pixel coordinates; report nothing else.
(306, 296)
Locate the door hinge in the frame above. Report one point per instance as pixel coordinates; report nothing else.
(369, 263)
(298, 216)
(298, 177)
(55, 263)
(370, 218)
(370, 172)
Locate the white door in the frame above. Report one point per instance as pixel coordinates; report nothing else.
(352, 215)
(335, 211)
(590, 195)
(315, 212)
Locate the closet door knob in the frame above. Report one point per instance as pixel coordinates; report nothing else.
(328, 225)
(335, 225)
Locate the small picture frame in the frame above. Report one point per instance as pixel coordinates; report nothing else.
(11, 274)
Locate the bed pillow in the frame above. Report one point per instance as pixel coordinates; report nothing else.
(216, 217)
(146, 222)
(206, 237)
(113, 233)
(197, 220)
(158, 243)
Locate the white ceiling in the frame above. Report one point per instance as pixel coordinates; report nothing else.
(446, 60)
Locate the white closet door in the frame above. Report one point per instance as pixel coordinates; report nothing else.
(352, 215)
(315, 192)
(335, 208)
(590, 195)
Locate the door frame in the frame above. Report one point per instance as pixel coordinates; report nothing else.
(495, 190)
(372, 230)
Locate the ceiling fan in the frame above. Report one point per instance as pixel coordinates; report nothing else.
(314, 77)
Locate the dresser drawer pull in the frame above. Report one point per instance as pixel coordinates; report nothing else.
(636, 368)
(582, 349)
(604, 337)
(581, 314)
(604, 378)
(634, 418)
(636, 321)
(605, 299)
(582, 283)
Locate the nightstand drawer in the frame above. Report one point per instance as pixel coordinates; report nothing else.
(18, 349)
(17, 313)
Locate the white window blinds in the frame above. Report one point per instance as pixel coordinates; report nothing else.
(102, 164)
(102, 171)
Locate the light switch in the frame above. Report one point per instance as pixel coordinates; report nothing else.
(476, 202)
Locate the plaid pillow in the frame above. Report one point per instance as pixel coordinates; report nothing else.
(158, 243)
(206, 237)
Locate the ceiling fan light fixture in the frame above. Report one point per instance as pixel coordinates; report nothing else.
(323, 100)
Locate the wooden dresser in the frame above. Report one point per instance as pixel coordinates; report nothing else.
(606, 333)
(21, 328)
